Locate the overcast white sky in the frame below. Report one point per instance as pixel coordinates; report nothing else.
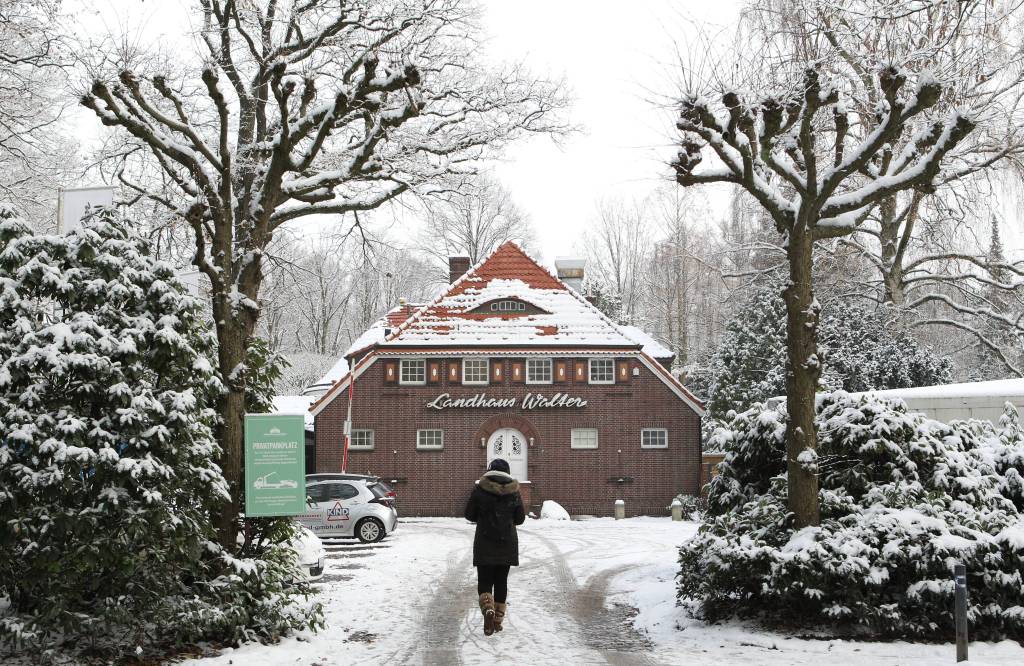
(617, 58)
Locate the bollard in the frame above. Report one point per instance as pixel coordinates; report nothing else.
(960, 610)
(677, 510)
(620, 509)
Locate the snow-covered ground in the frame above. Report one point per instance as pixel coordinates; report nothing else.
(587, 592)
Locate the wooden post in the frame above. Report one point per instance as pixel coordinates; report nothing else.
(960, 612)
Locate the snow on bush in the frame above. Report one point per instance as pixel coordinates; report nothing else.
(692, 506)
(107, 457)
(903, 498)
(552, 510)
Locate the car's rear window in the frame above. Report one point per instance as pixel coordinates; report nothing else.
(377, 490)
(317, 492)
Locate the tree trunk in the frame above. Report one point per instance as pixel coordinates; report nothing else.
(231, 344)
(236, 324)
(803, 370)
(892, 272)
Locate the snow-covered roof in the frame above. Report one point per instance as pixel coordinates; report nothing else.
(554, 313)
(999, 388)
(370, 336)
(295, 404)
(651, 346)
(319, 387)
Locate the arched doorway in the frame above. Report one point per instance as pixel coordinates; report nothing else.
(510, 444)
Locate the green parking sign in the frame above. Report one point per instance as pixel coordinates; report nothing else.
(275, 465)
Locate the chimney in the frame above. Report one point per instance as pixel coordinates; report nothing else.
(570, 271)
(457, 267)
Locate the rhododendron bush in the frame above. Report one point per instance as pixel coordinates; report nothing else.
(903, 499)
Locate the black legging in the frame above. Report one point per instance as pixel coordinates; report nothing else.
(493, 579)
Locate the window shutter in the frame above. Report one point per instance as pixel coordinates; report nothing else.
(390, 372)
(497, 370)
(622, 372)
(561, 372)
(580, 373)
(433, 372)
(454, 370)
(518, 372)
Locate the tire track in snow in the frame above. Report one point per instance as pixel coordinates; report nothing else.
(439, 643)
(608, 632)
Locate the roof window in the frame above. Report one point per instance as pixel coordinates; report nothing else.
(508, 306)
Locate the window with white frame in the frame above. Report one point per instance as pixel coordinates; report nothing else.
(654, 438)
(583, 438)
(362, 440)
(475, 370)
(430, 439)
(602, 371)
(413, 371)
(538, 371)
(508, 306)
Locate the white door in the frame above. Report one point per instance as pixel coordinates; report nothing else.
(509, 444)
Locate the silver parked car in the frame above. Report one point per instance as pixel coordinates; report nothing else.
(349, 507)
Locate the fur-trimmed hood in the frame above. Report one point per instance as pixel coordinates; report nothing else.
(498, 483)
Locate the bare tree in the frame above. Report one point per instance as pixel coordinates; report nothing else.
(684, 290)
(794, 152)
(34, 155)
(923, 247)
(306, 109)
(617, 245)
(474, 222)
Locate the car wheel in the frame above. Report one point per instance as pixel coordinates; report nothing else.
(370, 530)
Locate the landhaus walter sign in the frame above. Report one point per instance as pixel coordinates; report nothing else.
(529, 401)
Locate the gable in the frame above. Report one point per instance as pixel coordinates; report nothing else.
(553, 314)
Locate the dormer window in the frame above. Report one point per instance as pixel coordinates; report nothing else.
(508, 306)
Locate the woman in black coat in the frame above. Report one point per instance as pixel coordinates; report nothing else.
(496, 507)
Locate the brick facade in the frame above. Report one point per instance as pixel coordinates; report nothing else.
(584, 481)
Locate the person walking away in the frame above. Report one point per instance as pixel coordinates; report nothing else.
(496, 507)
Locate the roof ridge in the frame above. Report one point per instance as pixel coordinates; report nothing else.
(457, 288)
(414, 317)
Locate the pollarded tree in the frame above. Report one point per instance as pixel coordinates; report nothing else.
(305, 109)
(794, 152)
(922, 249)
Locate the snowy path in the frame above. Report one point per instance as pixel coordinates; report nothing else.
(573, 600)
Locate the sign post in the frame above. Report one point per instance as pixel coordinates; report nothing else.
(960, 610)
(275, 465)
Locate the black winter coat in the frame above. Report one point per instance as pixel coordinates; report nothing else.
(496, 508)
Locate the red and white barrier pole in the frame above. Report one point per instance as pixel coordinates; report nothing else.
(348, 422)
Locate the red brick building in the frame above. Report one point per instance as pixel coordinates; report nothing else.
(510, 362)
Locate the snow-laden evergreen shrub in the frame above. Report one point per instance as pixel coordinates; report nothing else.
(861, 349)
(107, 472)
(903, 499)
(692, 506)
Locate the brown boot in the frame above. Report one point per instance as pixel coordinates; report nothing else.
(499, 614)
(487, 608)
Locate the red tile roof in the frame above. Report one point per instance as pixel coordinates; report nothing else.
(559, 315)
